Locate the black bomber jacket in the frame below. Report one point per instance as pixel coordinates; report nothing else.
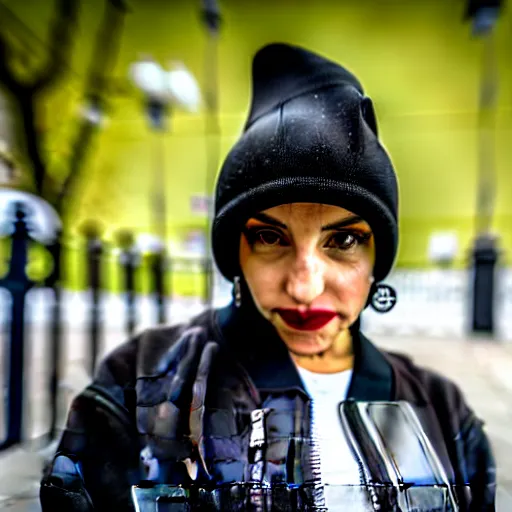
(104, 435)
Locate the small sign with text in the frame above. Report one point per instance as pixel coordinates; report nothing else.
(200, 204)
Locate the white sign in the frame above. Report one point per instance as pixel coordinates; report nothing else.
(199, 204)
(443, 247)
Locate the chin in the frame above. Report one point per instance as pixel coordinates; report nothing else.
(305, 342)
(302, 349)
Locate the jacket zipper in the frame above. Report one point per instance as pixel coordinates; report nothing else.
(355, 431)
(315, 462)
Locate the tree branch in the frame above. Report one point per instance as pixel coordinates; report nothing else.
(102, 61)
(6, 75)
(62, 30)
(82, 143)
(27, 111)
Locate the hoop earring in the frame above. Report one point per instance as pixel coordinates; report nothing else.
(238, 291)
(384, 298)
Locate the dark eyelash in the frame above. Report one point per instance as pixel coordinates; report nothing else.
(359, 237)
(362, 237)
(252, 234)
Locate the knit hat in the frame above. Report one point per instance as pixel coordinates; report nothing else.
(311, 136)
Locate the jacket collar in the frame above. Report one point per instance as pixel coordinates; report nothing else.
(372, 378)
(256, 344)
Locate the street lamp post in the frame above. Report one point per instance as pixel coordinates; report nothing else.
(210, 14)
(151, 249)
(163, 90)
(150, 78)
(484, 15)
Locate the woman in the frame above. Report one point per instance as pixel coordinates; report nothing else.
(278, 401)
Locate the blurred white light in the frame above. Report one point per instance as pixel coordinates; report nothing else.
(195, 243)
(148, 243)
(183, 88)
(443, 247)
(42, 219)
(93, 114)
(150, 78)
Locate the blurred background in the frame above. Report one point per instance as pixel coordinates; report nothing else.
(115, 116)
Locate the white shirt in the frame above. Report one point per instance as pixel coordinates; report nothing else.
(337, 464)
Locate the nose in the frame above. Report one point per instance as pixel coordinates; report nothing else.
(306, 278)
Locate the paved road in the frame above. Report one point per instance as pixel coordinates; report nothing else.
(481, 368)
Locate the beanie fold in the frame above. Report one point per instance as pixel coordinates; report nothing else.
(231, 218)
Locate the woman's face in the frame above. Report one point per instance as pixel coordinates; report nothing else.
(309, 269)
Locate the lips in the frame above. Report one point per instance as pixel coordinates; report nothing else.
(306, 320)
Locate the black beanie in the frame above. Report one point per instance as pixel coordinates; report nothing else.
(311, 137)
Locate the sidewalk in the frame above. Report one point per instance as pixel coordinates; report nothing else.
(20, 473)
(482, 369)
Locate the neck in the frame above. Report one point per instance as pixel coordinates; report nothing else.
(337, 358)
(264, 338)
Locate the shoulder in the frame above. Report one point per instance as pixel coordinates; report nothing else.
(413, 379)
(142, 352)
(467, 443)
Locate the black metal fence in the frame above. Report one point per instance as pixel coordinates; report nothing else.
(156, 266)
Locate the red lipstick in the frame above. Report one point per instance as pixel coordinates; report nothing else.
(311, 320)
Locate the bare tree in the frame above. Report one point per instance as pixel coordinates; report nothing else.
(26, 90)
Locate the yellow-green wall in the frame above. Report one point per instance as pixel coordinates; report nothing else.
(416, 59)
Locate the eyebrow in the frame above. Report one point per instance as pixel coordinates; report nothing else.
(348, 221)
(267, 219)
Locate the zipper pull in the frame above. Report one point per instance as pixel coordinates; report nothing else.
(256, 457)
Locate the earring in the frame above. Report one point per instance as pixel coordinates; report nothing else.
(238, 291)
(384, 298)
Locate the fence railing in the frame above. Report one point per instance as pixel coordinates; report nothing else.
(157, 268)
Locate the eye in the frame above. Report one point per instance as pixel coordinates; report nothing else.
(268, 237)
(264, 237)
(345, 240)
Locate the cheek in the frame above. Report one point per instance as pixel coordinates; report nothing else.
(264, 280)
(351, 284)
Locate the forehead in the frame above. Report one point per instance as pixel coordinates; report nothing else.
(308, 213)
